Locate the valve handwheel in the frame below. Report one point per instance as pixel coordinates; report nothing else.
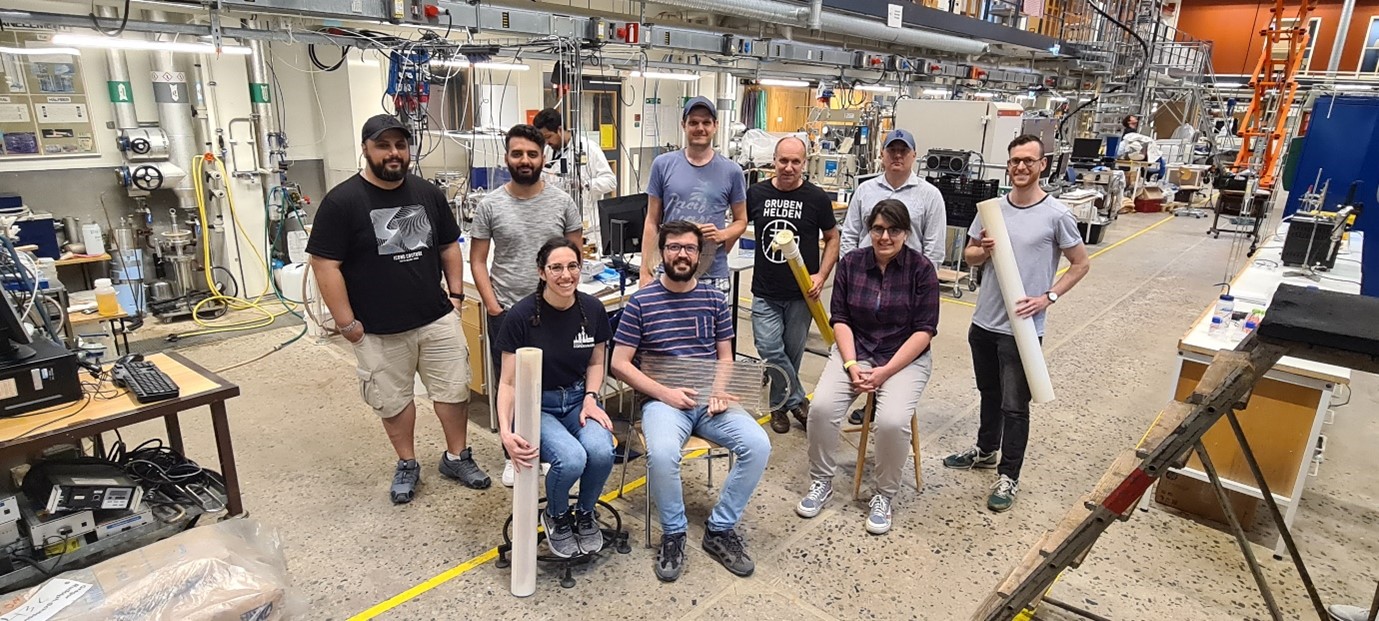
(147, 178)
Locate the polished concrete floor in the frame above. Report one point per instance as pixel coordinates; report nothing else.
(316, 465)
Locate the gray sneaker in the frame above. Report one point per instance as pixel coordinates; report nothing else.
(727, 548)
(405, 481)
(587, 532)
(972, 458)
(560, 537)
(464, 470)
(879, 520)
(1341, 612)
(1003, 493)
(670, 557)
(814, 501)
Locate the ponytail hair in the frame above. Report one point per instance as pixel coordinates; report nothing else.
(542, 256)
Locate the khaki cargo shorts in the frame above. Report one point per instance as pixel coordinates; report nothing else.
(436, 351)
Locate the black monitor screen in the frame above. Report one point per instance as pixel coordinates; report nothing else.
(1086, 149)
(621, 220)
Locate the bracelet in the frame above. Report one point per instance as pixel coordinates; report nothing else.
(849, 364)
(349, 327)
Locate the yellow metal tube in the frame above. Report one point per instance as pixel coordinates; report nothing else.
(784, 242)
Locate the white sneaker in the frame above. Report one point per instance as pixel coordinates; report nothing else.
(879, 519)
(813, 502)
(509, 475)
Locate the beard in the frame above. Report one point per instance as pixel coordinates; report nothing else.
(381, 170)
(672, 270)
(525, 178)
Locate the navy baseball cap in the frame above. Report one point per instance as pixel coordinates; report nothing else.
(902, 136)
(700, 102)
(379, 123)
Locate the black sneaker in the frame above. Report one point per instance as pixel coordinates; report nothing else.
(587, 532)
(856, 417)
(464, 470)
(405, 481)
(780, 421)
(728, 548)
(670, 559)
(801, 413)
(560, 535)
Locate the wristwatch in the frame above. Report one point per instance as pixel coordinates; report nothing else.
(1053, 297)
(457, 296)
(595, 395)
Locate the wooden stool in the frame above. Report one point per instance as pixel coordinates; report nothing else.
(865, 429)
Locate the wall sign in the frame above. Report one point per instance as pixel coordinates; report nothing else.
(44, 107)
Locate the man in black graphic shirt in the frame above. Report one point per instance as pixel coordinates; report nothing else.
(780, 316)
(382, 239)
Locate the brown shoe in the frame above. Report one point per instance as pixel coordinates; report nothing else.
(801, 413)
(780, 423)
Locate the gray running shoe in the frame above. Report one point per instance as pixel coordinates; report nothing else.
(670, 558)
(559, 534)
(587, 532)
(464, 470)
(728, 548)
(405, 481)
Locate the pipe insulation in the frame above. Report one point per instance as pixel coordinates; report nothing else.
(121, 91)
(785, 243)
(261, 102)
(526, 487)
(1342, 29)
(1012, 289)
(773, 12)
(173, 97)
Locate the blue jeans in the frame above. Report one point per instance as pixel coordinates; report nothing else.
(667, 429)
(780, 328)
(575, 453)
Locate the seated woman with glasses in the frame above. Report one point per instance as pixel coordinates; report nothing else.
(884, 315)
(572, 330)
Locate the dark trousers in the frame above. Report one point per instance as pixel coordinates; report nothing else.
(1005, 398)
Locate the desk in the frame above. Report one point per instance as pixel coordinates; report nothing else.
(1287, 408)
(81, 319)
(24, 436)
(84, 261)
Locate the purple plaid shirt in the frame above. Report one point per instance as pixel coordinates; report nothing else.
(884, 309)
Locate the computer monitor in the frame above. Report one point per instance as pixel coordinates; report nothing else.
(621, 220)
(1086, 149)
(13, 339)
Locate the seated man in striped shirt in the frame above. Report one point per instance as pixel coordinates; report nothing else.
(676, 315)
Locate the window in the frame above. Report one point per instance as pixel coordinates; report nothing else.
(1314, 26)
(1369, 57)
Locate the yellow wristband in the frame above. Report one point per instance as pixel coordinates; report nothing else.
(849, 364)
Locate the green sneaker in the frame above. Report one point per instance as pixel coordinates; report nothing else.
(972, 458)
(1003, 494)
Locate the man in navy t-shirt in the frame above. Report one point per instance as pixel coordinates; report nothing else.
(677, 316)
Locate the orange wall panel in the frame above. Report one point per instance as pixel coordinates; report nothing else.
(1233, 28)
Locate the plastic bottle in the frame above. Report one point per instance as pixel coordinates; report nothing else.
(1218, 327)
(1225, 305)
(106, 302)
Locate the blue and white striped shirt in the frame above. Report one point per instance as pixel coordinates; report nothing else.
(660, 322)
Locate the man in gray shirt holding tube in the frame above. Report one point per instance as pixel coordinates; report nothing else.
(928, 218)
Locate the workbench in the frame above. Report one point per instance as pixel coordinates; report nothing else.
(1287, 410)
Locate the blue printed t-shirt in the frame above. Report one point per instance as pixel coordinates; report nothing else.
(660, 322)
(699, 194)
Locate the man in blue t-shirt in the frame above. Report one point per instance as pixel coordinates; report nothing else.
(700, 186)
(677, 316)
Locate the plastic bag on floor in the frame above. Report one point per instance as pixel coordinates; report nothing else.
(229, 571)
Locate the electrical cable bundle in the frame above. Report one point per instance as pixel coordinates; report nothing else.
(168, 475)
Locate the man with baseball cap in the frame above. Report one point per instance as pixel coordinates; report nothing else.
(380, 243)
(928, 219)
(700, 186)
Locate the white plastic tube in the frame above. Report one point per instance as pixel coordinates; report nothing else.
(526, 487)
(1012, 289)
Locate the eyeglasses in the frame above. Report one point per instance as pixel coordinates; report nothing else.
(689, 249)
(880, 231)
(561, 268)
(1022, 162)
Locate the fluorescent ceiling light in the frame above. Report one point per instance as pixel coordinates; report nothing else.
(935, 91)
(1058, 99)
(664, 75)
(874, 88)
(984, 95)
(1354, 87)
(462, 63)
(780, 82)
(38, 51)
(117, 43)
(1229, 85)
(605, 82)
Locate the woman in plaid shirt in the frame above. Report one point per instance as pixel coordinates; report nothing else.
(885, 314)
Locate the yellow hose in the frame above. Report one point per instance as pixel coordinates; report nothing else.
(784, 241)
(266, 317)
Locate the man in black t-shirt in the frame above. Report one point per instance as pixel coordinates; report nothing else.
(380, 243)
(780, 315)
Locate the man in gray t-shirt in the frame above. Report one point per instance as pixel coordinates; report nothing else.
(1041, 231)
(700, 186)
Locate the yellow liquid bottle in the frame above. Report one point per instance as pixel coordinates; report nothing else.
(106, 302)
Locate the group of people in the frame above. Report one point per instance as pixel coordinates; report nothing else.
(384, 239)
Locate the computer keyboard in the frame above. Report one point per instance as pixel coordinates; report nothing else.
(144, 379)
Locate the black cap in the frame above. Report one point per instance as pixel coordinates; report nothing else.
(380, 123)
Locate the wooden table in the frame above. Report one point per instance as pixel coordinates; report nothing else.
(24, 436)
(84, 261)
(81, 319)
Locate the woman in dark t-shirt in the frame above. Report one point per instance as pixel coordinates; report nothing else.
(572, 330)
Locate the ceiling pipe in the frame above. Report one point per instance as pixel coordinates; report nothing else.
(173, 97)
(1342, 29)
(837, 24)
(816, 11)
(118, 68)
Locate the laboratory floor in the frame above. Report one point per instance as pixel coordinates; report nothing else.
(315, 464)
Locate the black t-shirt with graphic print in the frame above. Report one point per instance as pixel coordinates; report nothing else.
(805, 211)
(388, 243)
(566, 338)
